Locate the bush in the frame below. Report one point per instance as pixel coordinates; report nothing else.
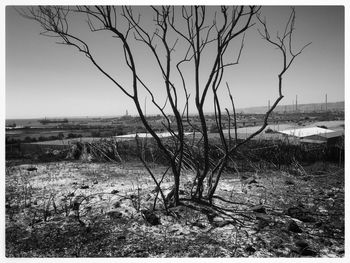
(28, 139)
(214, 128)
(60, 136)
(95, 134)
(269, 130)
(119, 130)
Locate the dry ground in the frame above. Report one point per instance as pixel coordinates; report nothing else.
(76, 209)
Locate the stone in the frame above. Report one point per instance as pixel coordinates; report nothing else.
(198, 224)
(116, 204)
(84, 187)
(251, 181)
(261, 224)
(319, 224)
(32, 169)
(76, 202)
(73, 214)
(289, 181)
(133, 196)
(250, 249)
(151, 217)
(300, 213)
(259, 209)
(263, 216)
(301, 243)
(293, 227)
(114, 192)
(220, 222)
(182, 192)
(307, 252)
(114, 214)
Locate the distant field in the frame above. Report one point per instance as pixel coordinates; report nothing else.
(242, 133)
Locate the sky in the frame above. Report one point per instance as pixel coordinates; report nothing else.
(45, 79)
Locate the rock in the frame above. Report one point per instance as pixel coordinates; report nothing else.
(133, 196)
(114, 214)
(198, 224)
(330, 201)
(250, 249)
(301, 243)
(289, 182)
(251, 180)
(32, 169)
(155, 190)
(95, 182)
(259, 209)
(210, 215)
(114, 192)
(319, 224)
(76, 202)
(300, 213)
(220, 222)
(341, 251)
(293, 227)
(261, 224)
(182, 192)
(307, 252)
(84, 187)
(116, 204)
(223, 223)
(244, 176)
(304, 248)
(73, 214)
(262, 216)
(326, 241)
(151, 217)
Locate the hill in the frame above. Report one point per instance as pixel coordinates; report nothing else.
(310, 107)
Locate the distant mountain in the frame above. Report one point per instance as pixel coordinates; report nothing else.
(310, 107)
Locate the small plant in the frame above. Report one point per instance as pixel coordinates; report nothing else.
(269, 130)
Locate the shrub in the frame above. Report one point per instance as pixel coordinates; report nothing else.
(269, 130)
(214, 128)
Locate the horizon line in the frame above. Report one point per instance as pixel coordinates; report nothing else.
(152, 114)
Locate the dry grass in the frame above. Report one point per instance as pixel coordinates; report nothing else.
(64, 209)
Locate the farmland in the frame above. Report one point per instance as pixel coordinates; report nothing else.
(32, 130)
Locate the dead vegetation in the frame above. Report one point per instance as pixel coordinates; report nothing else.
(77, 209)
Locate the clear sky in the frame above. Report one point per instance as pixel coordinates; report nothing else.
(47, 79)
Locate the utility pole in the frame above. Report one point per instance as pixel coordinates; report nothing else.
(326, 101)
(296, 102)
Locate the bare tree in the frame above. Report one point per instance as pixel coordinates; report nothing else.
(195, 31)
